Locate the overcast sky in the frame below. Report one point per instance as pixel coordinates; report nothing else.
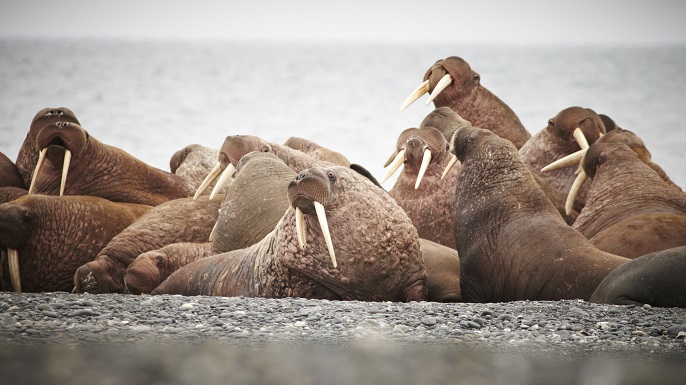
(528, 21)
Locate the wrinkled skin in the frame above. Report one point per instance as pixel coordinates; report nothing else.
(442, 271)
(193, 163)
(656, 279)
(376, 247)
(97, 169)
(8, 194)
(512, 243)
(556, 141)
(28, 153)
(179, 220)
(316, 151)
(466, 96)
(630, 211)
(149, 269)
(9, 174)
(254, 203)
(56, 235)
(431, 205)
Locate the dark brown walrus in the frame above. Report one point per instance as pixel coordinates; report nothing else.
(373, 253)
(51, 237)
(11, 183)
(513, 244)
(452, 83)
(98, 169)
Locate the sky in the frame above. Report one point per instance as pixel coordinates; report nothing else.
(402, 21)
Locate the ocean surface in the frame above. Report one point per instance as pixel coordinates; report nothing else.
(152, 98)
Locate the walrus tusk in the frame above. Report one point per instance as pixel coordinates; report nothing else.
(569, 160)
(13, 260)
(574, 191)
(39, 166)
(321, 215)
(442, 84)
(300, 228)
(224, 179)
(211, 177)
(395, 165)
(426, 159)
(213, 233)
(416, 94)
(450, 165)
(65, 170)
(580, 138)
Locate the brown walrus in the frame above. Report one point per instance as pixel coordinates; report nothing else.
(316, 151)
(372, 251)
(513, 244)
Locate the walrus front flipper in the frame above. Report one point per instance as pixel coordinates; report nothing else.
(364, 172)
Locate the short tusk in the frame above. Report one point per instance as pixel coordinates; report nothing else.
(300, 228)
(569, 160)
(65, 170)
(36, 171)
(442, 84)
(211, 177)
(395, 165)
(426, 159)
(321, 215)
(224, 179)
(13, 260)
(416, 94)
(450, 165)
(213, 233)
(574, 191)
(580, 138)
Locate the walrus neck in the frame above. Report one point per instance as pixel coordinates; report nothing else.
(296, 160)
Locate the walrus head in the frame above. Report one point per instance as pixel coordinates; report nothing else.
(102, 275)
(15, 227)
(51, 115)
(144, 273)
(416, 148)
(453, 74)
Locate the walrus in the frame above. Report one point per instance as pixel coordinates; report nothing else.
(193, 163)
(149, 269)
(512, 243)
(656, 279)
(27, 158)
(98, 169)
(316, 151)
(372, 252)
(179, 220)
(9, 173)
(452, 83)
(630, 210)
(49, 237)
(442, 271)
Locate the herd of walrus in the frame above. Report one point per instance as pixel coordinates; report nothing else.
(481, 211)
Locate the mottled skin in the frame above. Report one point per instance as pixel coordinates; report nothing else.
(98, 169)
(8, 194)
(254, 203)
(630, 211)
(556, 141)
(442, 271)
(149, 269)
(474, 102)
(376, 246)
(179, 220)
(513, 245)
(316, 151)
(9, 174)
(28, 153)
(193, 163)
(56, 235)
(431, 206)
(656, 279)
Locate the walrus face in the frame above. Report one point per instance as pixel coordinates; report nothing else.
(564, 125)
(16, 222)
(51, 115)
(600, 152)
(451, 79)
(98, 277)
(144, 274)
(416, 149)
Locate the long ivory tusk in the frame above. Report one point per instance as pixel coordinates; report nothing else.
(211, 177)
(426, 159)
(580, 138)
(574, 191)
(394, 166)
(224, 179)
(321, 215)
(13, 260)
(36, 171)
(450, 165)
(300, 228)
(416, 94)
(213, 233)
(442, 84)
(569, 160)
(65, 170)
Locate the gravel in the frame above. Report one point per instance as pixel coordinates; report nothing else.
(70, 338)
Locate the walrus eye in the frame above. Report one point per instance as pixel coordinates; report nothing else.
(331, 175)
(477, 77)
(159, 261)
(551, 123)
(26, 215)
(264, 149)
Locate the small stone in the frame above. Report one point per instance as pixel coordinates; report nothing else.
(187, 306)
(300, 324)
(429, 321)
(82, 312)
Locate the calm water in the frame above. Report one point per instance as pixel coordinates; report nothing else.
(153, 98)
